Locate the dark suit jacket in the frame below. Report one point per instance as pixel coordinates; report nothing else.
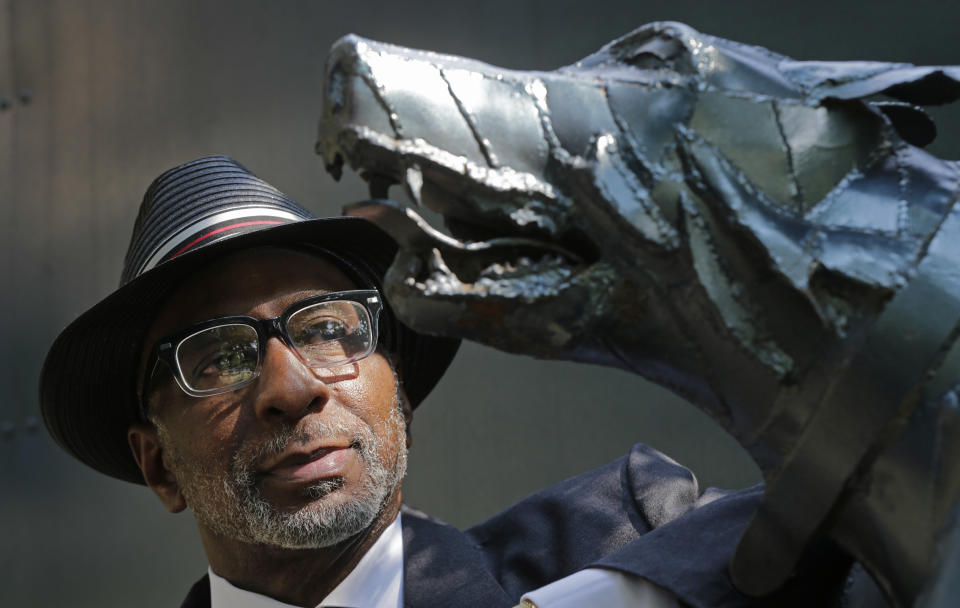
(640, 514)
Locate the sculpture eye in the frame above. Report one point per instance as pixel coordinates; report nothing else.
(646, 61)
(658, 52)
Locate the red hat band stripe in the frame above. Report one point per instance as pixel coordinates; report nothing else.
(189, 245)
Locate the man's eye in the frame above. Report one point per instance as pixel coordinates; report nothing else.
(236, 362)
(322, 330)
(234, 374)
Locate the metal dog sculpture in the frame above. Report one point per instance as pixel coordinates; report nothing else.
(751, 231)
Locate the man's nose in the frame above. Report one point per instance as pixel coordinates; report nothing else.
(287, 388)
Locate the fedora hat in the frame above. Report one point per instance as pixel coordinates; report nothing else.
(189, 216)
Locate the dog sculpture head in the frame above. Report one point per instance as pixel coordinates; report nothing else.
(574, 196)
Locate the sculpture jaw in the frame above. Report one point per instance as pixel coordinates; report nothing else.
(517, 293)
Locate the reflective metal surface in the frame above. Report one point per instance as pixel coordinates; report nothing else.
(759, 234)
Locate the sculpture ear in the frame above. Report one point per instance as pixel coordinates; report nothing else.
(820, 80)
(923, 86)
(912, 124)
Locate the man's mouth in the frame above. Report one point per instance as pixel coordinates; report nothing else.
(310, 466)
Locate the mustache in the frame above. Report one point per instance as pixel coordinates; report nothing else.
(249, 456)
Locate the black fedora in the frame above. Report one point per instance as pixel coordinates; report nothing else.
(190, 215)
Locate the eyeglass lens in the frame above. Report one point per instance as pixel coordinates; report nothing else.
(330, 333)
(218, 356)
(325, 334)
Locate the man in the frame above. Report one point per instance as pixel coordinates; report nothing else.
(248, 369)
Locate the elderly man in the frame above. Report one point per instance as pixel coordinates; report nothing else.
(248, 369)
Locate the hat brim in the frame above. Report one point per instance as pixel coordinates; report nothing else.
(88, 393)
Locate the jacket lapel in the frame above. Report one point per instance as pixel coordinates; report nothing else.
(199, 595)
(443, 568)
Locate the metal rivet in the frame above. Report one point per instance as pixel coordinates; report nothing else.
(4, 103)
(25, 96)
(6, 429)
(31, 424)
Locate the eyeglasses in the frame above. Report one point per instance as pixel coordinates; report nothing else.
(225, 354)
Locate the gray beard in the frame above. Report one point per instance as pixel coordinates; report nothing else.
(231, 505)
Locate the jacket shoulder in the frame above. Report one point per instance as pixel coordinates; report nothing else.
(567, 526)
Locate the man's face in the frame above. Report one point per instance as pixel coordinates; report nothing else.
(300, 458)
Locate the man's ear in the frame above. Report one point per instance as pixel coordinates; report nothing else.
(147, 451)
(396, 364)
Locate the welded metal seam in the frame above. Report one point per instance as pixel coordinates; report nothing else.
(482, 142)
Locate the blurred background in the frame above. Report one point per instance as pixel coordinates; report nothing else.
(97, 97)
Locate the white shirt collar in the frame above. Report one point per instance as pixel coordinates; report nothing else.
(375, 582)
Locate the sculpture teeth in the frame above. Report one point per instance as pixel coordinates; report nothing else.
(413, 180)
(523, 266)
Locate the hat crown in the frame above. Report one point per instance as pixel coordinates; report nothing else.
(199, 203)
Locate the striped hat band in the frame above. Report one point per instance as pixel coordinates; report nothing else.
(198, 204)
(208, 230)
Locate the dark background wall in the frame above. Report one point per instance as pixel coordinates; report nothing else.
(98, 97)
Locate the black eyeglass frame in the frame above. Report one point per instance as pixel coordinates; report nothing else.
(165, 349)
